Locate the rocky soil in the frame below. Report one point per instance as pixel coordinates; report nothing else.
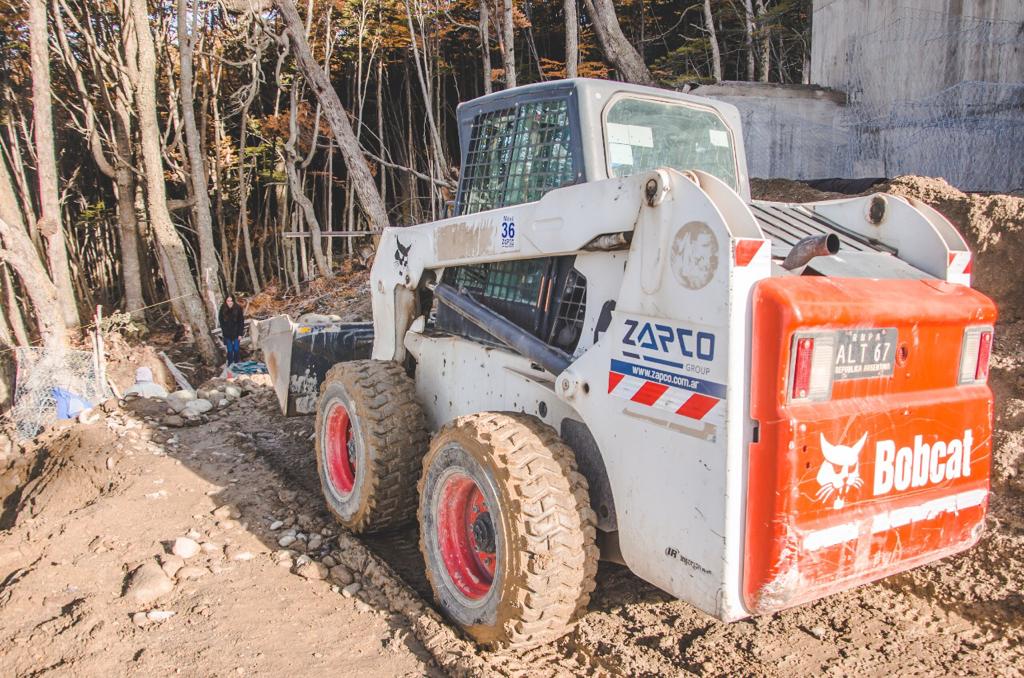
(171, 537)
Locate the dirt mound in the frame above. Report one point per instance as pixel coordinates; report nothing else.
(787, 190)
(993, 226)
(65, 469)
(347, 294)
(123, 358)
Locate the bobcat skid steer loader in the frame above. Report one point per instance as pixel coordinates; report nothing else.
(609, 350)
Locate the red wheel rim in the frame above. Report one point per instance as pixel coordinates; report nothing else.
(466, 536)
(341, 463)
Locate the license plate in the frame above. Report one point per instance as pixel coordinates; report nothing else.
(865, 353)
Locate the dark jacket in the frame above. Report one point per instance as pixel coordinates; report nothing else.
(232, 321)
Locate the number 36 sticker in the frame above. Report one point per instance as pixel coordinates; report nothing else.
(507, 234)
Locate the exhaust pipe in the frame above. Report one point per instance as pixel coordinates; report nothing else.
(499, 327)
(810, 247)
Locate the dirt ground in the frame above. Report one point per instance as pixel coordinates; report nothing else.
(105, 499)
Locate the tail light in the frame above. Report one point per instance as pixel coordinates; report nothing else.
(974, 355)
(811, 366)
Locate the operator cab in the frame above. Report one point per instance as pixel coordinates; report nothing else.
(519, 144)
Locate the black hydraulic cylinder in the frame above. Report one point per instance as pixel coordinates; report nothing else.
(499, 327)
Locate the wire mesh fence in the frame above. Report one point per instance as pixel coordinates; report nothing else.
(44, 377)
(909, 90)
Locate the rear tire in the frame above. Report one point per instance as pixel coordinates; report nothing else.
(506, 529)
(370, 438)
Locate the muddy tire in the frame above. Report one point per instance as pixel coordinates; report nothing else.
(506, 529)
(370, 438)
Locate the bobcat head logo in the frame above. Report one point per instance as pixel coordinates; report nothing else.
(402, 253)
(840, 472)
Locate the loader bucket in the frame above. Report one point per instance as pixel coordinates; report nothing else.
(299, 354)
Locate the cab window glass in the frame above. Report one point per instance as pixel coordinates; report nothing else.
(645, 134)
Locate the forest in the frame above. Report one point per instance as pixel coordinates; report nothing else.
(156, 155)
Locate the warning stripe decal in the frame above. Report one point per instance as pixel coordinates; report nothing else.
(686, 397)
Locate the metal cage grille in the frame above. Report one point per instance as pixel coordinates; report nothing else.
(546, 297)
(517, 154)
(568, 326)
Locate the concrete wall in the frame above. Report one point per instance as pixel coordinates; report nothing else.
(929, 87)
(934, 87)
(790, 131)
(884, 51)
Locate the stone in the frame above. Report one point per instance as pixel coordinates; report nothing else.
(211, 394)
(237, 553)
(351, 590)
(178, 400)
(314, 542)
(159, 615)
(342, 575)
(210, 547)
(328, 561)
(194, 408)
(286, 540)
(232, 392)
(276, 525)
(174, 421)
(185, 547)
(227, 524)
(226, 511)
(191, 572)
(171, 564)
(147, 584)
(140, 619)
(312, 570)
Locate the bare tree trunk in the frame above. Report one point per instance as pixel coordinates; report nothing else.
(381, 170)
(19, 252)
(616, 48)
(716, 55)
(485, 44)
(208, 266)
(508, 45)
(428, 95)
(358, 169)
(127, 219)
(14, 313)
(572, 39)
(243, 200)
(766, 41)
(156, 197)
(308, 211)
(49, 196)
(748, 37)
(10, 212)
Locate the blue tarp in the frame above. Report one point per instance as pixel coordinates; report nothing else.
(69, 405)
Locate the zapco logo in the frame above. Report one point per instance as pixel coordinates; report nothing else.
(896, 468)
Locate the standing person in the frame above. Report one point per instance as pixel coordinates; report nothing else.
(232, 323)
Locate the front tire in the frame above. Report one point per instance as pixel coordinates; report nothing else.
(370, 438)
(506, 529)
